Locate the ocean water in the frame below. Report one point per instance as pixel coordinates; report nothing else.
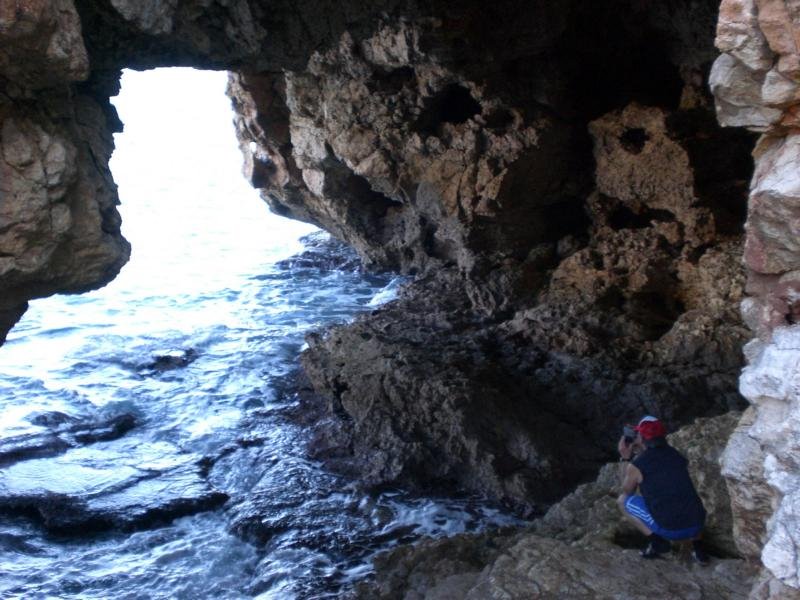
(192, 481)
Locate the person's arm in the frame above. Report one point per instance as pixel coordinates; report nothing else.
(630, 476)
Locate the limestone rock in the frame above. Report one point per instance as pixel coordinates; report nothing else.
(703, 443)
(540, 567)
(773, 210)
(767, 587)
(758, 463)
(770, 382)
(754, 81)
(739, 35)
(652, 275)
(591, 513)
(752, 500)
(41, 44)
(739, 95)
(59, 226)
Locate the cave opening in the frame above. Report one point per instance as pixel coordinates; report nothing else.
(186, 208)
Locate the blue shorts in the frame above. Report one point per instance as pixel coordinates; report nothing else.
(636, 507)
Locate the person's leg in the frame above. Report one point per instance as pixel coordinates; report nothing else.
(636, 511)
(636, 521)
(699, 553)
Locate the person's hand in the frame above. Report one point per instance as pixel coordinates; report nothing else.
(625, 449)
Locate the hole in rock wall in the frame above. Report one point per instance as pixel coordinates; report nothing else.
(392, 81)
(454, 104)
(721, 164)
(633, 139)
(623, 217)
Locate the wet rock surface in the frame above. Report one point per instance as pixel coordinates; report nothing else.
(62, 432)
(174, 359)
(95, 491)
(323, 252)
(80, 474)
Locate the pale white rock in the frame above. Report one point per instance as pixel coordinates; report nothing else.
(773, 222)
(780, 553)
(777, 168)
(756, 314)
(778, 89)
(771, 382)
(737, 93)
(738, 34)
(752, 500)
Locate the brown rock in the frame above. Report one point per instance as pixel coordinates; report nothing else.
(41, 43)
(59, 227)
(581, 547)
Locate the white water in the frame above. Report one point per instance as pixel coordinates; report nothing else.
(202, 277)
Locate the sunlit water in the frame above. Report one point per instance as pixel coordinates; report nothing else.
(204, 278)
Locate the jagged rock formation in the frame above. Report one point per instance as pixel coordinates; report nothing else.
(59, 228)
(478, 374)
(755, 83)
(552, 174)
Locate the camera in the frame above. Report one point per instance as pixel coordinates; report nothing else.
(628, 434)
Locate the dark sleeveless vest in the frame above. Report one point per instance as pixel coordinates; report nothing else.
(667, 488)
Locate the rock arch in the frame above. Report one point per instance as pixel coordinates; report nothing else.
(542, 167)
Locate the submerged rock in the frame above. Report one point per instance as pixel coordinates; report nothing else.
(118, 485)
(175, 359)
(63, 432)
(323, 252)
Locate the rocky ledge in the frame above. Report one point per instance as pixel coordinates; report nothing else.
(583, 548)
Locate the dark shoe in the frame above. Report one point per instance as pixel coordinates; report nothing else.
(656, 546)
(699, 554)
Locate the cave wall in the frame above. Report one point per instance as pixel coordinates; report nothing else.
(551, 173)
(575, 230)
(756, 83)
(59, 227)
